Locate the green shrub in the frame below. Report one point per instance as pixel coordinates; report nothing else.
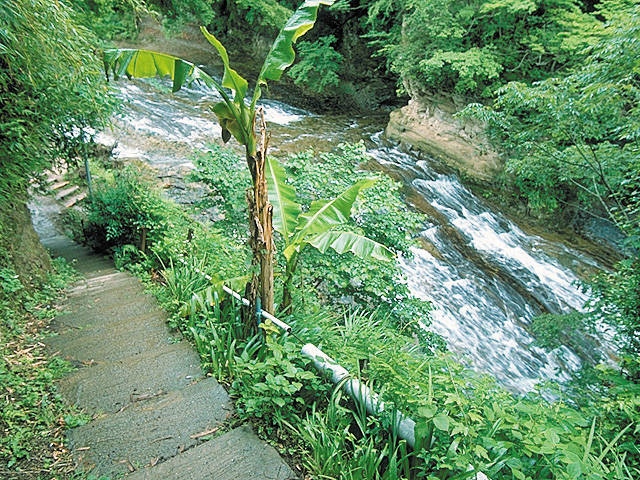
(264, 13)
(32, 413)
(318, 66)
(473, 48)
(226, 174)
(128, 210)
(277, 385)
(111, 19)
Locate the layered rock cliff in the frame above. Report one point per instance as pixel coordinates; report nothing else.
(429, 124)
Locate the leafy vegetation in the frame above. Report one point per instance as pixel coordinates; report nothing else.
(319, 66)
(32, 414)
(51, 88)
(110, 19)
(322, 226)
(473, 48)
(379, 214)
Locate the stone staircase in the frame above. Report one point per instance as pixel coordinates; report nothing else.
(68, 195)
(154, 414)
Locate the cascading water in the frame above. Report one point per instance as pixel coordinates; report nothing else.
(484, 275)
(487, 278)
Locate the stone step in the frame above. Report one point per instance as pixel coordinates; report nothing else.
(75, 200)
(58, 183)
(104, 284)
(110, 341)
(61, 194)
(151, 431)
(83, 259)
(106, 309)
(238, 454)
(111, 386)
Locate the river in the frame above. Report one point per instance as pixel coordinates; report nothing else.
(485, 276)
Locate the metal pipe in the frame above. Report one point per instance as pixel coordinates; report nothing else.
(359, 391)
(276, 321)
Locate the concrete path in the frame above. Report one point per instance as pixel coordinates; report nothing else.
(154, 414)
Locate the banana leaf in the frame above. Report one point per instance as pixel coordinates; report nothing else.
(359, 245)
(281, 56)
(231, 79)
(286, 210)
(323, 215)
(138, 63)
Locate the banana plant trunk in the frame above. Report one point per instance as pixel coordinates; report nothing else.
(287, 288)
(261, 291)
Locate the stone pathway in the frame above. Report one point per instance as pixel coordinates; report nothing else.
(154, 414)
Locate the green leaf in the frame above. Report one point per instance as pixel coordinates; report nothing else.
(231, 78)
(286, 210)
(518, 474)
(575, 470)
(423, 433)
(228, 122)
(326, 214)
(441, 422)
(480, 451)
(282, 55)
(359, 245)
(139, 63)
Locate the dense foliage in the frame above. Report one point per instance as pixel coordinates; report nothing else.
(110, 19)
(51, 87)
(33, 416)
(471, 48)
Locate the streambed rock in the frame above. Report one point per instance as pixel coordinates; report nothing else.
(428, 124)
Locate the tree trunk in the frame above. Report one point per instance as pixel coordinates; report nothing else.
(260, 294)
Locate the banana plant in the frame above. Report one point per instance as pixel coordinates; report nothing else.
(319, 227)
(237, 118)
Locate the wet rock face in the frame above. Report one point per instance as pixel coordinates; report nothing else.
(428, 125)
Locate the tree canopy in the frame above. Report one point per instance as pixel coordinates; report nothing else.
(472, 48)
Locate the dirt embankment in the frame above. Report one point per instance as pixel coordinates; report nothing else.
(20, 244)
